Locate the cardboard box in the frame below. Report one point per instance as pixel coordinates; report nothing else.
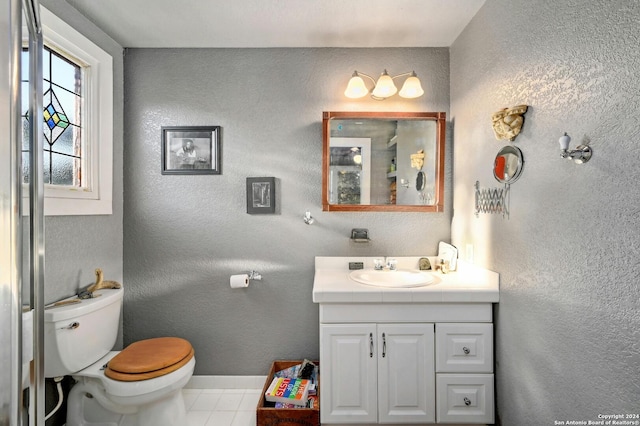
(268, 415)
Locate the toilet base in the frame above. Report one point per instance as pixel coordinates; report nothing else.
(83, 409)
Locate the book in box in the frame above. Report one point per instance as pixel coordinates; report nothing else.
(288, 390)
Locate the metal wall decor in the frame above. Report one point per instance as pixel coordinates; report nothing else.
(492, 200)
(507, 168)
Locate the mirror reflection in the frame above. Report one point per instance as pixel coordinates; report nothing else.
(383, 161)
(421, 181)
(350, 171)
(508, 164)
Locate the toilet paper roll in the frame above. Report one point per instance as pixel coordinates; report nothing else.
(239, 281)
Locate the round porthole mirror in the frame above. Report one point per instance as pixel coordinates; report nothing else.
(507, 167)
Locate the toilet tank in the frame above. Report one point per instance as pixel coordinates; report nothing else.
(78, 334)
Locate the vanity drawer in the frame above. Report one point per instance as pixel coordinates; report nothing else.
(464, 348)
(465, 398)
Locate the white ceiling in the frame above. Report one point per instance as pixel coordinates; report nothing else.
(281, 23)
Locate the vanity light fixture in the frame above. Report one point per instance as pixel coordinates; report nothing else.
(580, 155)
(384, 87)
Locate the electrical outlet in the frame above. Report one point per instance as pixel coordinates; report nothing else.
(469, 253)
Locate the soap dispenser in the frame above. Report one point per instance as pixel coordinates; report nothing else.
(444, 266)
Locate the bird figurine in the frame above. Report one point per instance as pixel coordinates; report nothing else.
(98, 285)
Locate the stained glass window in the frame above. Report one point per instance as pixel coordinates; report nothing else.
(62, 115)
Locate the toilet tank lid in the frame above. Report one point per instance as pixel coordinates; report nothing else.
(70, 307)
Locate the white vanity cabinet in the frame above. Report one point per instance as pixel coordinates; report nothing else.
(420, 355)
(377, 373)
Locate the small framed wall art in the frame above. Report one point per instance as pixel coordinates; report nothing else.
(191, 150)
(261, 195)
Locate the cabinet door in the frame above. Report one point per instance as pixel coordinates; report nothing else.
(406, 381)
(349, 373)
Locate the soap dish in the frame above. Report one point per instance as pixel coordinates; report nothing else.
(360, 235)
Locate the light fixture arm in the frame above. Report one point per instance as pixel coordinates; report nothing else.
(412, 73)
(373, 80)
(358, 73)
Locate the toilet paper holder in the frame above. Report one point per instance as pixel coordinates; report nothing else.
(254, 275)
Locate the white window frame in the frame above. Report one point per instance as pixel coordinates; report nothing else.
(97, 126)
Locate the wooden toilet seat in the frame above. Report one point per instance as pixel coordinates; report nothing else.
(149, 358)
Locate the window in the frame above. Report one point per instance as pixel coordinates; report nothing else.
(78, 121)
(63, 110)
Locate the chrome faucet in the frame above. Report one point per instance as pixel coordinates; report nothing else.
(392, 264)
(378, 264)
(389, 264)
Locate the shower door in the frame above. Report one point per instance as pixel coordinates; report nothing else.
(10, 252)
(12, 406)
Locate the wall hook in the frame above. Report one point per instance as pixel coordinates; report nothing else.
(580, 155)
(308, 219)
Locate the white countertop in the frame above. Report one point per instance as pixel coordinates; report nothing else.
(468, 284)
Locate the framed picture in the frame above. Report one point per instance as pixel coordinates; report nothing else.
(191, 150)
(261, 195)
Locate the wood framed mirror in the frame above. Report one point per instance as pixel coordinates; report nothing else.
(383, 161)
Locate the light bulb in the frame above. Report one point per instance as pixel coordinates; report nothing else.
(411, 87)
(356, 88)
(384, 86)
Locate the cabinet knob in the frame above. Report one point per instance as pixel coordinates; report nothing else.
(466, 350)
(467, 401)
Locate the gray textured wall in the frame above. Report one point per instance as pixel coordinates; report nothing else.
(185, 235)
(568, 339)
(76, 245)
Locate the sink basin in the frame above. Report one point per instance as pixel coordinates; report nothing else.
(395, 279)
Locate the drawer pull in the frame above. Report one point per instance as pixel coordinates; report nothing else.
(370, 345)
(384, 346)
(467, 401)
(466, 350)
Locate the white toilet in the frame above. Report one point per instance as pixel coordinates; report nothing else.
(141, 387)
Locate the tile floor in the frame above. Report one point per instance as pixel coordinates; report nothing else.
(221, 407)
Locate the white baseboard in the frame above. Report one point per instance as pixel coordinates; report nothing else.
(226, 382)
